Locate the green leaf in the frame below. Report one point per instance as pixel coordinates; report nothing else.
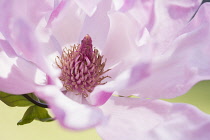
(35, 113)
(33, 96)
(14, 100)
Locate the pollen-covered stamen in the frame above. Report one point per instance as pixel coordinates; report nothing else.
(82, 68)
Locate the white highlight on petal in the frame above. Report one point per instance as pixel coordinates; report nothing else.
(118, 4)
(6, 66)
(69, 113)
(144, 38)
(89, 7)
(82, 117)
(40, 77)
(121, 78)
(1, 36)
(41, 32)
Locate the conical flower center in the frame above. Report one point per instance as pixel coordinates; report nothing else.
(82, 68)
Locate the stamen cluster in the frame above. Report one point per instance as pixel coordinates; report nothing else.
(82, 68)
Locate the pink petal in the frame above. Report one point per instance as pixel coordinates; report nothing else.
(31, 12)
(7, 48)
(98, 22)
(20, 28)
(67, 25)
(124, 4)
(120, 49)
(138, 73)
(201, 18)
(169, 19)
(99, 95)
(17, 76)
(179, 69)
(56, 12)
(73, 96)
(137, 119)
(140, 10)
(89, 6)
(69, 113)
(26, 44)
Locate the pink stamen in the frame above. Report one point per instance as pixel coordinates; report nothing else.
(82, 68)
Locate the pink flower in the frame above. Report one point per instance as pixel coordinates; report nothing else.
(145, 60)
(178, 48)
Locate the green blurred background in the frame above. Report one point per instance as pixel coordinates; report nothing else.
(199, 96)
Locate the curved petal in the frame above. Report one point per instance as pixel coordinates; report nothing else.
(120, 49)
(26, 44)
(31, 12)
(67, 25)
(140, 10)
(73, 96)
(100, 95)
(169, 20)
(17, 76)
(58, 8)
(123, 4)
(175, 72)
(164, 19)
(4, 45)
(131, 118)
(21, 29)
(201, 16)
(69, 113)
(97, 26)
(89, 6)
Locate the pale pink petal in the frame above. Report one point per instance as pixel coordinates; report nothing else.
(118, 4)
(138, 73)
(169, 19)
(122, 52)
(23, 40)
(69, 113)
(140, 10)
(202, 16)
(124, 5)
(184, 64)
(98, 22)
(17, 76)
(56, 12)
(99, 95)
(31, 12)
(36, 9)
(4, 45)
(26, 44)
(67, 25)
(21, 29)
(89, 6)
(74, 96)
(120, 49)
(175, 72)
(5, 15)
(136, 119)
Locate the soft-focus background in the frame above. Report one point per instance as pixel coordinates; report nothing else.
(199, 96)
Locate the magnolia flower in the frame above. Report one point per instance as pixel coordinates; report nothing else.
(40, 53)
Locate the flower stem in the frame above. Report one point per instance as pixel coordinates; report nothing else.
(198, 8)
(35, 102)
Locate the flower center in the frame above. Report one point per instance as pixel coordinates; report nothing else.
(82, 68)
